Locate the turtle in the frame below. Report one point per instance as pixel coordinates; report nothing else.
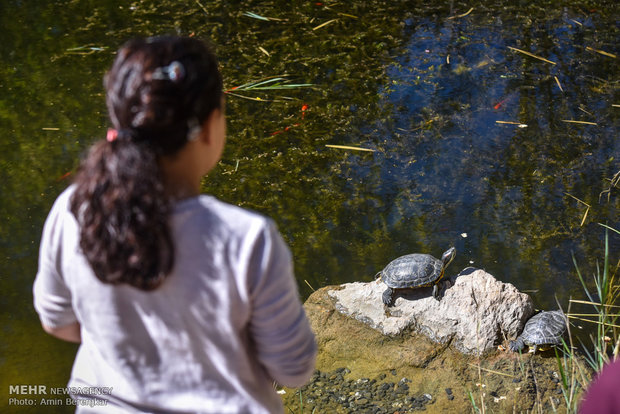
(544, 328)
(414, 271)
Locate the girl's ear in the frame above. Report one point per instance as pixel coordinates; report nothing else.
(212, 126)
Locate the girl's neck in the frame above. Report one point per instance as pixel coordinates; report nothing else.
(181, 174)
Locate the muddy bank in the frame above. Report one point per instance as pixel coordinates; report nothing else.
(360, 369)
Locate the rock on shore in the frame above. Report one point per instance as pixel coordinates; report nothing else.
(475, 314)
(422, 354)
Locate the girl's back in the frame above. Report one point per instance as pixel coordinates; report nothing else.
(211, 336)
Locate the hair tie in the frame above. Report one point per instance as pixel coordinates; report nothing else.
(112, 135)
(174, 72)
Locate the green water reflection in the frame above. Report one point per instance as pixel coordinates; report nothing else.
(401, 78)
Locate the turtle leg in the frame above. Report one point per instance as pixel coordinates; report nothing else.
(388, 297)
(436, 291)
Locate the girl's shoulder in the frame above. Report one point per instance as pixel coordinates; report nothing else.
(62, 206)
(214, 213)
(210, 205)
(64, 198)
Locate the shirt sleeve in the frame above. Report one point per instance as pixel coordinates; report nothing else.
(52, 297)
(281, 332)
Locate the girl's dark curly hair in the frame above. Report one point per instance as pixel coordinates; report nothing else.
(158, 90)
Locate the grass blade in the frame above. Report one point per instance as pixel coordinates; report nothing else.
(585, 302)
(255, 16)
(270, 83)
(610, 228)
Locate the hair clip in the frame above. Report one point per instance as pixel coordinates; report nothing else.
(174, 72)
(194, 129)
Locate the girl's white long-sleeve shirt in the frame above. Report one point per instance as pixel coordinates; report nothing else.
(223, 326)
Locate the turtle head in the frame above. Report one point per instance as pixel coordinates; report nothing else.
(517, 345)
(448, 256)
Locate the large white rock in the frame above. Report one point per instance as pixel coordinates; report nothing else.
(476, 313)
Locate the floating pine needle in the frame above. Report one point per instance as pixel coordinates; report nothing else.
(531, 55)
(558, 82)
(520, 125)
(325, 24)
(602, 52)
(262, 49)
(461, 15)
(616, 105)
(490, 370)
(350, 148)
(583, 220)
(575, 21)
(572, 121)
(50, 129)
(310, 286)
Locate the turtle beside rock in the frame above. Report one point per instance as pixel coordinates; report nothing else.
(414, 271)
(544, 328)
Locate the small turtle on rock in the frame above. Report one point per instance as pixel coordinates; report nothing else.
(544, 328)
(414, 271)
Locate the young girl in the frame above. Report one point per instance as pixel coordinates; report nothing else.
(181, 303)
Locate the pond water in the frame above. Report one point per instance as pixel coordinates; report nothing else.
(475, 144)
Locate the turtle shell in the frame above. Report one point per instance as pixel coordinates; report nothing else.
(544, 328)
(411, 271)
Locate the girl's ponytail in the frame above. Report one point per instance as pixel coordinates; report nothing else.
(123, 212)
